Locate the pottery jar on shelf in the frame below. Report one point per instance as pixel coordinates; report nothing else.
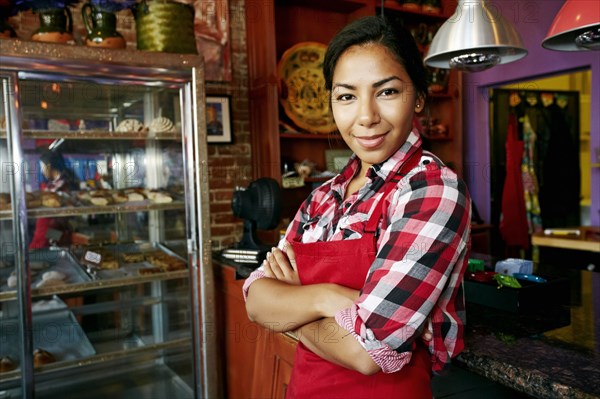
(101, 27)
(56, 25)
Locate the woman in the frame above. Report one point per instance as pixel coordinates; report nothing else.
(58, 178)
(374, 258)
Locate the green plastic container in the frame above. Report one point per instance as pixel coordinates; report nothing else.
(475, 265)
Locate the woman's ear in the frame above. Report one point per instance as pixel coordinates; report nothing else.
(420, 103)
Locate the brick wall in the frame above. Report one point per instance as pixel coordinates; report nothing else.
(229, 164)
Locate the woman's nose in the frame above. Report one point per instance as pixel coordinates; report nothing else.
(368, 112)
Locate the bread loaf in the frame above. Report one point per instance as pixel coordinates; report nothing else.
(50, 200)
(7, 364)
(41, 357)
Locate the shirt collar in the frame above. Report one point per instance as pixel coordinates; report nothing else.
(383, 170)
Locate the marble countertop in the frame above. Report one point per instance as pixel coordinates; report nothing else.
(552, 355)
(546, 354)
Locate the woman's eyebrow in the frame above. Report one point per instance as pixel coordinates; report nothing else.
(344, 85)
(384, 81)
(377, 84)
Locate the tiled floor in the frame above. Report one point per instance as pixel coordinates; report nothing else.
(458, 383)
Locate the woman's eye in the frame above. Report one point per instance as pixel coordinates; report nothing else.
(388, 92)
(344, 97)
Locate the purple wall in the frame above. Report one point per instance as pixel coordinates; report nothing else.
(532, 20)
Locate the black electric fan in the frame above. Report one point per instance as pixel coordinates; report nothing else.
(260, 206)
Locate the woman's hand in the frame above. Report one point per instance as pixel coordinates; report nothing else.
(281, 265)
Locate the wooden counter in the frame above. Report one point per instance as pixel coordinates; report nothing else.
(587, 240)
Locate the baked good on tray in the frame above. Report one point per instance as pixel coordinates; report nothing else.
(7, 364)
(145, 271)
(4, 202)
(101, 197)
(50, 200)
(52, 278)
(41, 357)
(166, 262)
(130, 125)
(161, 124)
(159, 197)
(133, 257)
(33, 200)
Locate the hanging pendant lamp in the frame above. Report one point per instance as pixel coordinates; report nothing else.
(576, 27)
(475, 38)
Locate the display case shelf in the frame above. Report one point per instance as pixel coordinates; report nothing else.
(97, 285)
(142, 206)
(11, 378)
(97, 135)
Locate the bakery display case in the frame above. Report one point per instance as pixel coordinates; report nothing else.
(105, 276)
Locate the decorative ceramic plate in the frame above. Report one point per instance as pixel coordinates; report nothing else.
(302, 90)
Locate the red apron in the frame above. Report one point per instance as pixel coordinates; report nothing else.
(513, 225)
(347, 263)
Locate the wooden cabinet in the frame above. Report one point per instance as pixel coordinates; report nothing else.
(257, 363)
(237, 335)
(273, 365)
(276, 26)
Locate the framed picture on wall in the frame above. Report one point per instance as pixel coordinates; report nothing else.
(218, 119)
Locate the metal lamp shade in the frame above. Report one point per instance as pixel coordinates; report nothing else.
(576, 27)
(475, 38)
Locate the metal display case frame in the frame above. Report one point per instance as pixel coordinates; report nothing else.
(20, 61)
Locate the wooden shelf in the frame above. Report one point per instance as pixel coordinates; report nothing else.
(440, 95)
(342, 6)
(437, 138)
(393, 5)
(588, 240)
(309, 136)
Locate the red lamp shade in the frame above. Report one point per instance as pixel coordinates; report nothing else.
(576, 27)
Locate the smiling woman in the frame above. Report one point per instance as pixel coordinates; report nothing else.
(374, 257)
(373, 112)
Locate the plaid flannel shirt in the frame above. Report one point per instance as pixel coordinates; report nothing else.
(422, 253)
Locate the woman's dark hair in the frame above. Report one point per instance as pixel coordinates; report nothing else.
(377, 30)
(56, 161)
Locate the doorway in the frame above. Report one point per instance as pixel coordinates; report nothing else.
(552, 118)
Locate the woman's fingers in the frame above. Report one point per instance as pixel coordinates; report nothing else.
(281, 266)
(267, 269)
(279, 262)
(289, 251)
(275, 269)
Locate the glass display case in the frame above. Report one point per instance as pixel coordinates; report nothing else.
(105, 276)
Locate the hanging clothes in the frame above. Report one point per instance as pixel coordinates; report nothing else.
(513, 221)
(559, 171)
(529, 176)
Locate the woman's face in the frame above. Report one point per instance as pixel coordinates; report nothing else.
(373, 102)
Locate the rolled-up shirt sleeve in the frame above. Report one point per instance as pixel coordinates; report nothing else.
(413, 282)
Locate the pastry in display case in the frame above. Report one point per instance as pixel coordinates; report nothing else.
(103, 185)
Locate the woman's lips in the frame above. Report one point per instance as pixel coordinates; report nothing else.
(370, 142)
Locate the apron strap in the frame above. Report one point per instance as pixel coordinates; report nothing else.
(408, 165)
